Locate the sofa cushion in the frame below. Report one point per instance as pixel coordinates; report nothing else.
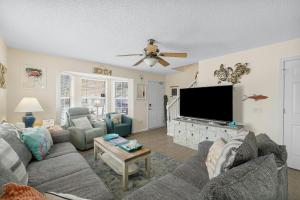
(193, 171)
(82, 123)
(213, 156)
(255, 180)
(226, 157)
(246, 151)
(167, 187)
(42, 171)
(12, 164)
(61, 149)
(38, 140)
(6, 176)
(83, 183)
(18, 192)
(116, 118)
(20, 148)
(267, 146)
(92, 133)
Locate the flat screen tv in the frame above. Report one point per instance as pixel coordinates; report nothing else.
(211, 103)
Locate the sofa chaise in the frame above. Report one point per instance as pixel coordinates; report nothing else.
(263, 178)
(63, 171)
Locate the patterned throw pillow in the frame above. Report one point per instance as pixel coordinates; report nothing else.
(11, 128)
(12, 163)
(247, 150)
(14, 191)
(227, 157)
(213, 156)
(238, 150)
(82, 123)
(116, 118)
(38, 141)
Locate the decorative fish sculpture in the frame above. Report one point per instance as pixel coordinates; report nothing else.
(255, 97)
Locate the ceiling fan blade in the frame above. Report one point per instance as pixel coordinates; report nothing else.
(162, 62)
(170, 54)
(136, 54)
(139, 62)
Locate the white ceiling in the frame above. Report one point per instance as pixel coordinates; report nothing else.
(97, 30)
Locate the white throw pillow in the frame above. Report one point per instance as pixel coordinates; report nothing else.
(116, 118)
(11, 162)
(227, 155)
(82, 123)
(213, 156)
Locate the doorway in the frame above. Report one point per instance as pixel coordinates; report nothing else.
(156, 91)
(291, 111)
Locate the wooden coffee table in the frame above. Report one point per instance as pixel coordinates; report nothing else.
(122, 157)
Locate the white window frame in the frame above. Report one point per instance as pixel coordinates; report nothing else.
(62, 113)
(114, 98)
(95, 97)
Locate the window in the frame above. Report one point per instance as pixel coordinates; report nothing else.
(65, 96)
(93, 95)
(120, 97)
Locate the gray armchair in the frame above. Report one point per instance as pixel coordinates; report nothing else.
(83, 139)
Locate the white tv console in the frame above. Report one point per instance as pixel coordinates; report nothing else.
(190, 132)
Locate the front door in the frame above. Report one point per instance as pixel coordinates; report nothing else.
(292, 111)
(156, 92)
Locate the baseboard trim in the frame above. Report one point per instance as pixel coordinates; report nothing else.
(170, 134)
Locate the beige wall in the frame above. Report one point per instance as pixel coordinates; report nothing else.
(264, 78)
(3, 92)
(55, 65)
(184, 76)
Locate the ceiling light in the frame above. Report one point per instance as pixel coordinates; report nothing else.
(151, 61)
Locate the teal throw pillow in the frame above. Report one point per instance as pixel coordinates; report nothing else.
(38, 141)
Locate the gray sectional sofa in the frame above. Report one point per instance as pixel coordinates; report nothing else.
(63, 171)
(263, 178)
(66, 171)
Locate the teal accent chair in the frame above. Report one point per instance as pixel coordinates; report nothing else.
(83, 139)
(123, 129)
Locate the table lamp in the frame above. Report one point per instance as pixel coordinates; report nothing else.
(29, 105)
(97, 105)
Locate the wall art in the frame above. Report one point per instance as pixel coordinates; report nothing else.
(232, 75)
(3, 71)
(102, 71)
(33, 77)
(141, 92)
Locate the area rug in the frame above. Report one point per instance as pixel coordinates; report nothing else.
(160, 166)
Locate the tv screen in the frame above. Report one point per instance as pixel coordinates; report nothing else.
(211, 103)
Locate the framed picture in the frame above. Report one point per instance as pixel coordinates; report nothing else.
(33, 77)
(141, 92)
(174, 91)
(3, 71)
(48, 123)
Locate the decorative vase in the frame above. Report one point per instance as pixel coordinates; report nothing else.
(28, 119)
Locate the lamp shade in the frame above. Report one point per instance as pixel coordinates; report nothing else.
(29, 104)
(97, 103)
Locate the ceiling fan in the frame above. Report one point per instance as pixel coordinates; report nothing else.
(152, 55)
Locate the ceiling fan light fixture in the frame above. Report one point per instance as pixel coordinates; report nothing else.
(150, 61)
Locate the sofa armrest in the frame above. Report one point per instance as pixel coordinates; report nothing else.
(109, 125)
(127, 120)
(77, 137)
(203, 148)
(96, 131)
(61, 136)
